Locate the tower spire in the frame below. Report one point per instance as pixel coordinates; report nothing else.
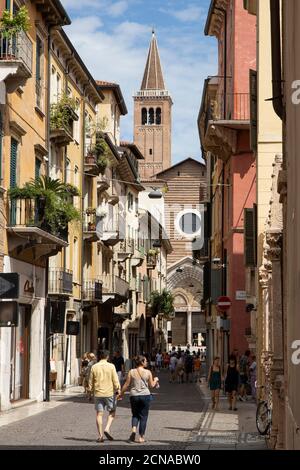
(153, 77)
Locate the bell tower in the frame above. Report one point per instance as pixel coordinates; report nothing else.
(153, 117)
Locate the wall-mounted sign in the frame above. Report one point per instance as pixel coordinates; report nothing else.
(9, 285)
(240, 295)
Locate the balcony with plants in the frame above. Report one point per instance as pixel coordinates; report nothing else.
(162, 304)
(96, 158)
(15, 49)
(90, 221)
(62, 117)
(152, 255)
(39, 214)
(126, 249)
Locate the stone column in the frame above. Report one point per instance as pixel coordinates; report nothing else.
(189, 326)
(274, 240)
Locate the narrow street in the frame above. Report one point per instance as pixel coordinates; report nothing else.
(179, 420)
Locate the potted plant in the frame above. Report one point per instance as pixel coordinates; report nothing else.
(53, 208)
(63, 112)
(162, 303)
(12, 24)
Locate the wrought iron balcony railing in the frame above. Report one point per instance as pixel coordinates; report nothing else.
(60, 281)
(25, 213)
(18, 47)
(228, 107)
(92, 291)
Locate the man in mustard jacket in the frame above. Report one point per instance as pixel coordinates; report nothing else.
(105, 386)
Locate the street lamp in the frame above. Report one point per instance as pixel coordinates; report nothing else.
(155, 194)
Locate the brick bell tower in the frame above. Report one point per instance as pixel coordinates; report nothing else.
(153, 117)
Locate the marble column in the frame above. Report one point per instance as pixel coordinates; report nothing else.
(189, 326)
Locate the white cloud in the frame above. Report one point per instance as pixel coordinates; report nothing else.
(190, 14)
(117, 9)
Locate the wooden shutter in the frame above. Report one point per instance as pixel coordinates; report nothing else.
(216, 284)
(206, 281)
(253, 110)
(13, 163)
(1, 137)
(249, 237)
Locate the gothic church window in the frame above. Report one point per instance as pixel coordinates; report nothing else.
(151, 116)
(158, 117)
(144, 117)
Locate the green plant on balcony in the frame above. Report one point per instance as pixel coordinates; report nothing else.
(54, 208)
(162, 303)
(153, 252)
(63, 112)
(12, 24)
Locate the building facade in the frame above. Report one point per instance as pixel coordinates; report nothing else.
(224, 126)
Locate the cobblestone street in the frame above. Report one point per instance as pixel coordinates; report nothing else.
(179, 420)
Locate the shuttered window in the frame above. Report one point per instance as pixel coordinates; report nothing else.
(206, 282)
(250, 237)
(38, 165)
(253, 110)
(216, 284)
(13, 162)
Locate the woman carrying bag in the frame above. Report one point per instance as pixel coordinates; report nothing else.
(139, 381)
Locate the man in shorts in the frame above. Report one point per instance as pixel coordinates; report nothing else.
(105, 386)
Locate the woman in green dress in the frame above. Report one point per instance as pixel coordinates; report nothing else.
(215, 382)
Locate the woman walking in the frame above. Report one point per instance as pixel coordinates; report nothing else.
(139, 381)
(215, 382)
(232, 383)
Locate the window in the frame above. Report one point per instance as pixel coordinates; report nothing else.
(68, 171)
(151, 116)
(75, 259)
(144, 116)
(38, 165)
(190, 223)
(77, 124)
(158, 116)
(58, 86)
(39, 71)
(130, 201)
(150, 151)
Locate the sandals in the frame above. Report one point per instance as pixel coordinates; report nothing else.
(109, 437)
(132, 437)
(100, 439)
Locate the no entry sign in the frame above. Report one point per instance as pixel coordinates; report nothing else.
(223, 303)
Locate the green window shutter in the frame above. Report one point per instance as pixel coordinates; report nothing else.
(38, 165)
(249, 237)
(13, 163)
(38, 58)
(216, 284)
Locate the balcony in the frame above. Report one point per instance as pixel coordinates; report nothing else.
(32, 238)
(60, 282)
(62, 117)
(138, 257)
(92, 291)
(91, 167)
(15, 60)
(151, 261)
(126, 249)
(118, 292)
(90, 221)
(110, 231)
(225, 115)
(102, 183)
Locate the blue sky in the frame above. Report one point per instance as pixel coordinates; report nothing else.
(113, 38)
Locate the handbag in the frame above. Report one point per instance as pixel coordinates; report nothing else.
(144, 381)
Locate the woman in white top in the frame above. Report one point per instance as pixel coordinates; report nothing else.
(139, 381)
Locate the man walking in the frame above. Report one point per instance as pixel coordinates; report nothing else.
(105, 386)
(119, 364)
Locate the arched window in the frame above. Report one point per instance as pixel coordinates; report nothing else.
(151, 116)
(158, 116)
(144, 116)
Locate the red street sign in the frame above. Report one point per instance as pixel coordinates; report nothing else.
(223, 303)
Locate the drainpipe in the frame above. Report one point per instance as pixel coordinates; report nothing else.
(276, 58)
(48, 304)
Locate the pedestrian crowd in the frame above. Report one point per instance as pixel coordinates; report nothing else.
(107, 382)
(238, 381)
